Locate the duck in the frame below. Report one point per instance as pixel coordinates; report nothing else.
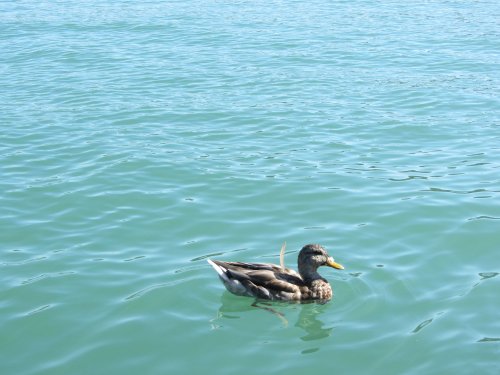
(273, 282)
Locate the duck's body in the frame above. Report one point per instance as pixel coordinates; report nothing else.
(270, 281)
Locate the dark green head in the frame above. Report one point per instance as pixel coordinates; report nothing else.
(313, 256)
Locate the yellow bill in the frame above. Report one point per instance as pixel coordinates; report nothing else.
(331, 263)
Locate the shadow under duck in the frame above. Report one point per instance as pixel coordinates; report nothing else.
(273, 282)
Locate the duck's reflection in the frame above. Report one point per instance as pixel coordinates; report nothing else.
(308, 318)
(309, 321)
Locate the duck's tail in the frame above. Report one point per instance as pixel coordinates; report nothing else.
(229, 280)
(221, 271)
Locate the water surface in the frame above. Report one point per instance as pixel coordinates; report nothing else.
(140, 138)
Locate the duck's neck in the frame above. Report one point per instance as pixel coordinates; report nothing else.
(309, 273)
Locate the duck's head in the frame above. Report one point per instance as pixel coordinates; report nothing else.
(313, 256)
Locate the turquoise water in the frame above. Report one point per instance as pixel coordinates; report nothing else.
(139, 138)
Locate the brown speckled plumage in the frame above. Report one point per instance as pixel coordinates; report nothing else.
(270, 281)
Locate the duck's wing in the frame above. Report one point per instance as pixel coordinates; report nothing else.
(260, 280)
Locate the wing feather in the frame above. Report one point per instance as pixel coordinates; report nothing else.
(261, 280)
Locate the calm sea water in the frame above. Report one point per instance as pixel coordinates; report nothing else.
(139, 138)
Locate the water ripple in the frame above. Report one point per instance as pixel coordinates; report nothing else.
(38, 310)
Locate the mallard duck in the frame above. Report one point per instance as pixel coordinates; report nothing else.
(273, 282)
